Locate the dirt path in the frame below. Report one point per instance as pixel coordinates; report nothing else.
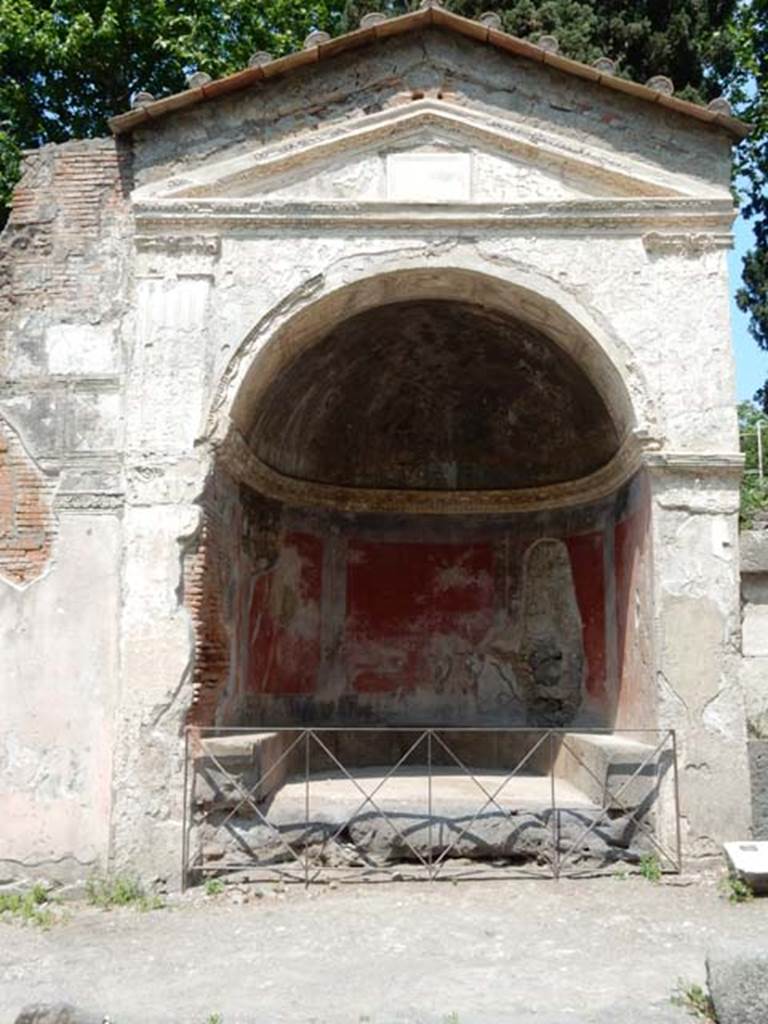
(574, 952)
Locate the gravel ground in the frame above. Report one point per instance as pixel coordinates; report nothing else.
(597, 951)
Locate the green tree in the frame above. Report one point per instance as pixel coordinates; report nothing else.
(749, 91)
(754, 491)
(689, 42)
(66, 66)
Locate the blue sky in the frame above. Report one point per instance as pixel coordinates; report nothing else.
(751, 361)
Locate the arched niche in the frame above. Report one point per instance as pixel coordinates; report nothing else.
(433, 395)
(398, 449)
(316, 307)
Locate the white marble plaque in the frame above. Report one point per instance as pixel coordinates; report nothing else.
(423, 177)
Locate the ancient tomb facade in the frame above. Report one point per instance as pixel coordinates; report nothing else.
(386, 383)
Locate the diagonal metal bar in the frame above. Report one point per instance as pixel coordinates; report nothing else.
(491, 799)
(248, 793)
(615, 797)
(611, 797)
(272, 828)
(369, 797)
(334, 838)
(468, 771)
(645, 829)
(247, 798)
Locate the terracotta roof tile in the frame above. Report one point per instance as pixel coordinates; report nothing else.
(410, 23)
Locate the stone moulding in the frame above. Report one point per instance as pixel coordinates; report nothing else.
(89, 503)
(395, 126)
(690, 245)
(202, 245)
(698, 463)
(235, 455)
(634, 215)
(241, 461)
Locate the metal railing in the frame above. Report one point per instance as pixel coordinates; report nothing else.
(760, 436)
(256, 803)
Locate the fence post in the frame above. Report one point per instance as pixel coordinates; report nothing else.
(184, 812)
(760, 467)
(555, 817)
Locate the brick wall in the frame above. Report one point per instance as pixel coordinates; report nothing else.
(62, 245)
(202, 597)
(27, 524)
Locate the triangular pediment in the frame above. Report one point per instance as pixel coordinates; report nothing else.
(427, 151)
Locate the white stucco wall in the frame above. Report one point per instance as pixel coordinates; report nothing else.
(239, 229)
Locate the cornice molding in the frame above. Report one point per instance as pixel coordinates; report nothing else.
(161, 223)
(695, 463)
(241, 461)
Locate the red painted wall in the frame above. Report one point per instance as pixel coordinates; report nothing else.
(402, 616)
(586, 555)
(410, 604)
(284, 620)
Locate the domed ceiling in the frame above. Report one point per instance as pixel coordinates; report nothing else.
(433, 395)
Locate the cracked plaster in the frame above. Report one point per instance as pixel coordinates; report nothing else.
(129, 394)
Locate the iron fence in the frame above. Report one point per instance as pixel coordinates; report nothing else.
(756, 458)
(311, 805)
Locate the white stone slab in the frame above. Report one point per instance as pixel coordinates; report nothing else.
(81, 349)
(429, 177)
(749, 859)
(754, 637)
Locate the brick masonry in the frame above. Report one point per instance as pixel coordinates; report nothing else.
(27, 524)
(59, 247)
(203, 598)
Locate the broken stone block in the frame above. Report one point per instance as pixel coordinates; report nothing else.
(749, 860)
(758, 769)
(56, 1013)
(738, 984)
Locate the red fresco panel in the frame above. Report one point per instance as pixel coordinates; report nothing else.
(408, 602)
(627, 540)
(285, 622)
(586, 555)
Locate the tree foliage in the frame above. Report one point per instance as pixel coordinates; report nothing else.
(749, 90)
(754, 491)
(66, 66)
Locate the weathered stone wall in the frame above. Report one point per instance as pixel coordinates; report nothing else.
(696, 585)
(754, 668)
(438, 64)
(62, 290)
(141, 326)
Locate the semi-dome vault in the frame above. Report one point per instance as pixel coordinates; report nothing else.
(434, 395)
(386, 382)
